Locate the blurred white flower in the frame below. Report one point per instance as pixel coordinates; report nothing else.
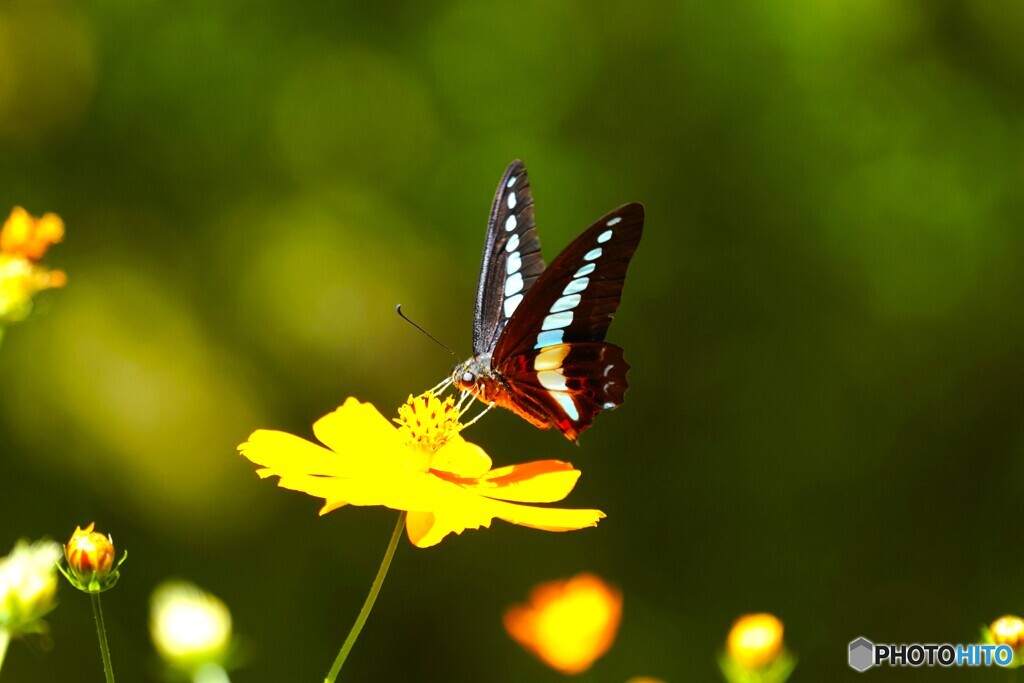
(191, 628)
(28, 585)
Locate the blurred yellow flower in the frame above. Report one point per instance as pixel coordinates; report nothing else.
(755, 640)
(28, 585)
(1007, 630)
(755, 652)
(424, 466)
(28, 237)
(567, 624)
(23, 241)
(190, 628)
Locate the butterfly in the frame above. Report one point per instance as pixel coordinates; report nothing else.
(538, 334)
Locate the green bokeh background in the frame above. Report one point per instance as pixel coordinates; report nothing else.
(823, 319)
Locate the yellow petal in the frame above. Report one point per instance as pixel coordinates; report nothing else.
(426, 529)
(546, 519)
(473, 512)
(543, 481)
(358, 430)
(461, 458)
(283, 454)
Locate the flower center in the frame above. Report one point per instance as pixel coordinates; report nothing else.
(427, 422)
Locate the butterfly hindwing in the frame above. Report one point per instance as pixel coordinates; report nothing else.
(512, 260)
(566, 385)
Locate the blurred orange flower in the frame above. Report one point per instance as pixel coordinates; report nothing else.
(23, 241)
(567, 624)
(424, 466)
(29, 237)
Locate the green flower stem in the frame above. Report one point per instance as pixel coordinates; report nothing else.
(378, 581)
(210, 673)
(101, 631)
(5, 640)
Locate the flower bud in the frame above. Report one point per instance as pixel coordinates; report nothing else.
(90, 560)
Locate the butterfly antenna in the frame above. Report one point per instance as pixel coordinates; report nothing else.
(398, 310)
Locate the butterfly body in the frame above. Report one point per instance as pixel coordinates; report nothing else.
(538, 334)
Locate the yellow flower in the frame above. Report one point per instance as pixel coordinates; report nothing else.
(90, 560)
(28, 585)
(567, 624)
(1007, 630)
(190, 628)
(755, 652)
(755, 640)
(23, 241)
(424, 466)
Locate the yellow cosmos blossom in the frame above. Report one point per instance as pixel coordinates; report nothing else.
(567, 624)
(23, 241)
(423, 466)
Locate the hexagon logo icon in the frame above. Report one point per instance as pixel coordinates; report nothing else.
(862, 654)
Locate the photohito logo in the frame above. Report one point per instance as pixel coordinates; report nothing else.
(864, 654)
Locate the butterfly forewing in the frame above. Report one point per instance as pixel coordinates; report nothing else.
(511, 262)
(580, 291)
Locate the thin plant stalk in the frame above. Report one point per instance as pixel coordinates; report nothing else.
(5, 640)
(378, 581)
(101, 631)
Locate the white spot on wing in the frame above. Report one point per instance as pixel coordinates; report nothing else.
(514, 284)
(565, 400)
(513, 264)
(577, 285)
(511, 182)
(556, 320)
(552, 380)
(513, 244)
(566, 303)
(549, 338)
(511, 304)
(593, 254)
(511, 200)
(604, 237)
(510, 224)
(609, 405)
(614, 221)
(585, 270)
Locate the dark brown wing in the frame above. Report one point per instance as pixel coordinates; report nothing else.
(566, 385)
(511, 262)
(552, 352)
(575, 298)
